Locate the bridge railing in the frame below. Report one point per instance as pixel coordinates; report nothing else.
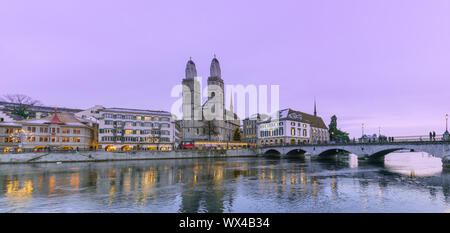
(420, 138)
(369, 141)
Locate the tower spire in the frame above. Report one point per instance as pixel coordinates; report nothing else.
(231, 102)
(315, 109)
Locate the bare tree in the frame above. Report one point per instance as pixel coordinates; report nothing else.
(20, 99)
(20, 103)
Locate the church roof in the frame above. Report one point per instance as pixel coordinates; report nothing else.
(215, 68)
(191, 71)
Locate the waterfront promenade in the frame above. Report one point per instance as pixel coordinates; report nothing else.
(101, 156)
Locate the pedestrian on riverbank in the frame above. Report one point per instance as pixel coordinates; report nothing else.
(434, 135)
(431, 136)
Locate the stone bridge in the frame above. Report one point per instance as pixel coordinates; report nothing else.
(373, 151)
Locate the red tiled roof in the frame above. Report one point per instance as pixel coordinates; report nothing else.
(55, 120)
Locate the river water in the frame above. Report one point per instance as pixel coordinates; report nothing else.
(408, 182)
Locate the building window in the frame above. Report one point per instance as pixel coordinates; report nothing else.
(76, 131)
(65, 130)
(76, 140)
(293, 131)
(305, 132)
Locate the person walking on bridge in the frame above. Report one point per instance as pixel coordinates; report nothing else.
(434, 135)
(431, 136)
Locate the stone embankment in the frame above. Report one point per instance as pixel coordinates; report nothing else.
(446, 161)
(118, 156)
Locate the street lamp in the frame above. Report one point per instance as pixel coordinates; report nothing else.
(362, 128)
(446, 122)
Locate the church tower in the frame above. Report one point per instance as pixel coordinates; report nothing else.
(216, 89)
(191, 93)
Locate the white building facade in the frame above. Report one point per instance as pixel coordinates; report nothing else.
(132, 129)
(291, 127)
(55, 132)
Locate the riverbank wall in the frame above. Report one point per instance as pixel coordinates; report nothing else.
(102, 156)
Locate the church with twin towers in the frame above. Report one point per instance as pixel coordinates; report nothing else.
(210, 120)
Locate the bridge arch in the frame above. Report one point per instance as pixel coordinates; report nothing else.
(382, 153)
(272, 152)
(296, 152)
(331, 152)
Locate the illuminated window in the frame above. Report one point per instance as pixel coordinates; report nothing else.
(76, 140)
(305, 132)
(76, 131)
(65, 130)
(65, 139)
(293, 131)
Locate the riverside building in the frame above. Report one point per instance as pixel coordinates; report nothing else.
(292, 127)
(250, 129)
(56, 131)
(132, 129)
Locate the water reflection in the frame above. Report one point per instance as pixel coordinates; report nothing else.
(232, 185)
(413, 164)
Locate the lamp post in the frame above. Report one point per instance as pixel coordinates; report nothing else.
(446, 135)
(446, 122)
(379, 131)
(362, 129)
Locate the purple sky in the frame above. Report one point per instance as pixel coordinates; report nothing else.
(382, 62)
